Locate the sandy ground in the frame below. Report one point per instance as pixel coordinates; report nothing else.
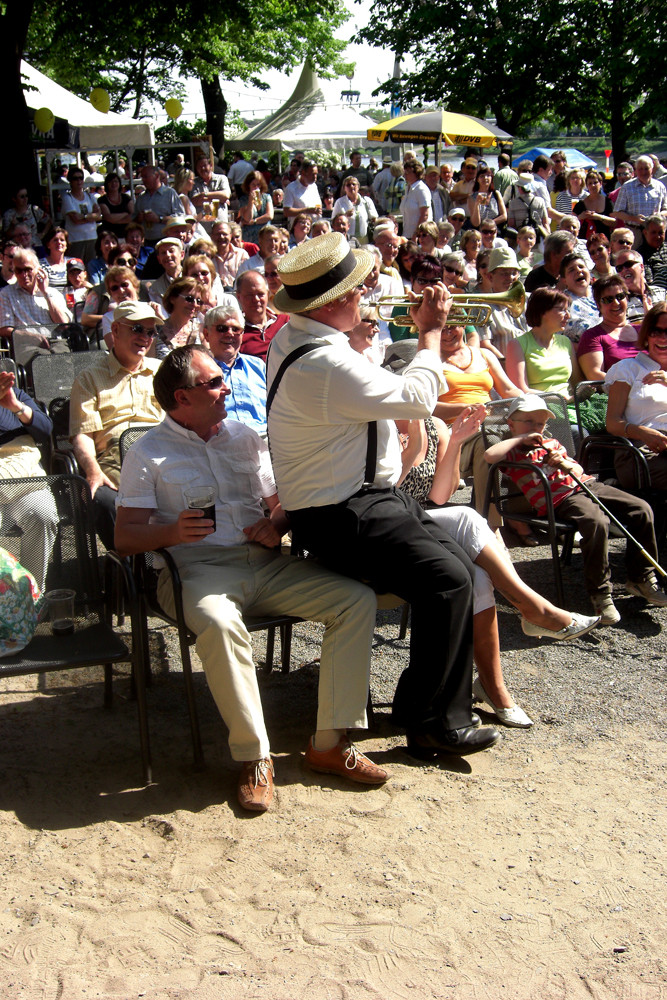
(536, 870)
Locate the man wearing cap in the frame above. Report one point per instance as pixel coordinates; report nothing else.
(440, 200)
(115, 392)
(336, 458)
(230, 565)
(381, 182)
(527, 417)
(207, 185)
(169, 254)
(502, 326)
(303, 195)
(155, 204)
(462, 190)
(456, 217)
(416, 203)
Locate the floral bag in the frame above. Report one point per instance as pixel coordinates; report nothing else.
(19, 595)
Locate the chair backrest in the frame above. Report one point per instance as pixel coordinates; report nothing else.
(495, 427)
(53, 374)
(590, 399)
(64, 549)
(128, 437)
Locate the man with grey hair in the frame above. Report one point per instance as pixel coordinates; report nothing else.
(640, 198)
(546, 275)
(245, 375)
(641, 296)
(653, 237)
(29, 309)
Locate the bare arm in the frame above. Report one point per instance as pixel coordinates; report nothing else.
(591, 365)
(450, 442)
(516, 365)
(617, 424)
(498, 451)
(134, 534)
(84, 452)
(503, 385)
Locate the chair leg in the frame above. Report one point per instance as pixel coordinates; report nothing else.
(405, 617)
(108, 685)
(555, 558)
(270, 648)
(197, 751)
(285, 647)
(370, 711)
(138, 676)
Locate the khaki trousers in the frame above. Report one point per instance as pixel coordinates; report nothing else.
(220, 584)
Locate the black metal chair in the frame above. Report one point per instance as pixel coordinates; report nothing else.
(53, 374)
(73, 562)
(8, 364)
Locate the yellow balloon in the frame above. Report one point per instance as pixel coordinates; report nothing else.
(173, 107)
(44, 120)
(99, 98)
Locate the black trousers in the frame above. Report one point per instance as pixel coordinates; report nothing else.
(386, 539)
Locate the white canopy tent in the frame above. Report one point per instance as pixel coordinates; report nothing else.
(97, 131)
(309, 119)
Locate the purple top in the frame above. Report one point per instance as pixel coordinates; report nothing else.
(597, 339)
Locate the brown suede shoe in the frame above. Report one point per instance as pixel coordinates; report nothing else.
(346, 760)
(255, 789)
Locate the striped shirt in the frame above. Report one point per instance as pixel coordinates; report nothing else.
(641, 199)
(561, 484)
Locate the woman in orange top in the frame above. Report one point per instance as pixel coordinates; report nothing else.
(471, 374)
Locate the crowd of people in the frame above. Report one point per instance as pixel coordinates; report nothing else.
(227, 307)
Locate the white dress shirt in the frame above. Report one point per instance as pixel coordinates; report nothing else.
(169, 459)
(318, 424)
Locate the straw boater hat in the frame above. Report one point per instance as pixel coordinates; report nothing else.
(320, 271)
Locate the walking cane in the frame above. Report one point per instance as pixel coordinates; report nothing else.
(614, 520)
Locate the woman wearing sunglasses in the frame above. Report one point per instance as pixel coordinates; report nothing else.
(613, 338)
(182, 301)
(201, 268)
(121, 285)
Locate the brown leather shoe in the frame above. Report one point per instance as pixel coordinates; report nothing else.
(346, 760)
(255, 789)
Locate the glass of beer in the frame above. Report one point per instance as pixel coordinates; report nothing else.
(202, 498)
(61, 610)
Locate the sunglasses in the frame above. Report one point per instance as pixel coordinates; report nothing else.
(117, 288)
(125, 261)
(23, 270)
(607, 300)
(623, 243)
(659, 331)
(191, 299)
(452, 270)
(626, 264)
(213, 383)
(227, 328)
(370, 322)
(270, 274)
(139, 328)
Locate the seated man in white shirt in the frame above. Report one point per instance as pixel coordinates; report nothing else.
(230, 564)
(29, 309)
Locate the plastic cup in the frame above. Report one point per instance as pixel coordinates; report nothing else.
(202, 498)
(61, 610)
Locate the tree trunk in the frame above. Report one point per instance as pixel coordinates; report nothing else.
(216, 110)
(617, 122)
(18, 166)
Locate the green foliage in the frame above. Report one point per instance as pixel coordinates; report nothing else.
(136, 53)
(597, 62)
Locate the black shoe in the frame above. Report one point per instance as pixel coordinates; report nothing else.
(475, 720)
(428, 744)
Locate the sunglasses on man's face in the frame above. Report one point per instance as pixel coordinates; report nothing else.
(213, 383)
(626, 265)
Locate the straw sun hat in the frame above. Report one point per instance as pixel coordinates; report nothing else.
(320, 271)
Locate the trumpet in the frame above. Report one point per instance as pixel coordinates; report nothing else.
(469, 308)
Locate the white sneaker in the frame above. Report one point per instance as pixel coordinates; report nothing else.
(649, 590)
(604, 606)
(580, 625)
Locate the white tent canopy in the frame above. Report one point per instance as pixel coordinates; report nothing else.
(307, 120)
(96, 130)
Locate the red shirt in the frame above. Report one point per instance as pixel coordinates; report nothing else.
(256, 340)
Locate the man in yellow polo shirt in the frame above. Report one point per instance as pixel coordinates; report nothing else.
(112, 394)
